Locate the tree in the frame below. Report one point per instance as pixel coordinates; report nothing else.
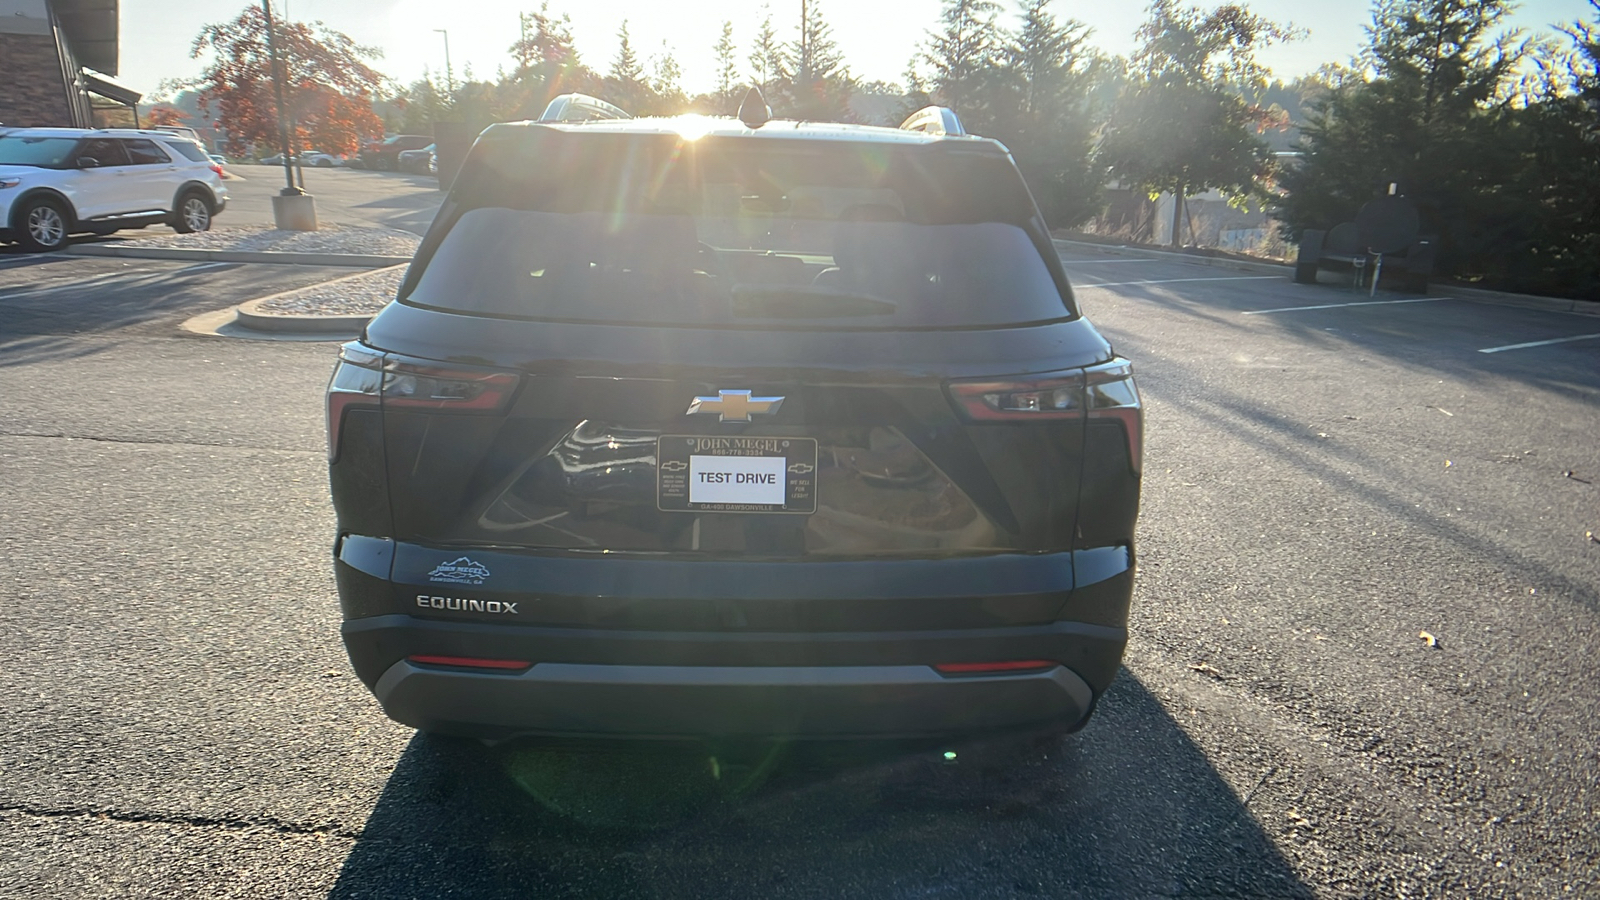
(1562, 174)
(1426, 109)
(1180, 125)
(626, 85)
(964, 53)
(820, 85)
(329, 85)
(727, 71)
(625, 65)
(547, 65)
(1041, 112)
(164, 114)
(664, 77)
(767, 57)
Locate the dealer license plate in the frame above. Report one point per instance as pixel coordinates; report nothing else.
(700, 473)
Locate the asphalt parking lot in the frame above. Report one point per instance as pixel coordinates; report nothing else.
(347, 196)
(1326, 480)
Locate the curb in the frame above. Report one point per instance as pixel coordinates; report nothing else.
(1264, 268)
(246, 315)
(1525, 301)
(240, 256)
(1470, 294)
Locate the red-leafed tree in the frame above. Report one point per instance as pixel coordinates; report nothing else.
(164, 115)
(328, 83)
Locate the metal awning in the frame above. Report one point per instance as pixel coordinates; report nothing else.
(91, 30)
(95, 83)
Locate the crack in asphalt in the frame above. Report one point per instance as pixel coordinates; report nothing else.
(226, 823)
(116, 440)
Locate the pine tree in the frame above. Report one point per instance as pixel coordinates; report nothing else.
(1428, 110)
(821, 85)
(767, 57)
(964, 52)
(727, 67)
(625, 65)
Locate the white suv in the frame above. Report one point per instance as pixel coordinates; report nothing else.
(55, 182)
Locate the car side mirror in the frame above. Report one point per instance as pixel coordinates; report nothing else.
(88, 162)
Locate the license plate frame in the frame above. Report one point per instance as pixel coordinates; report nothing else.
(675, 455)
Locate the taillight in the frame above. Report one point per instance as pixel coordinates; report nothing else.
(216, 168)
(1055, 396)
(446, 389)
(1106, 391)
(366, 377)
(357, 381)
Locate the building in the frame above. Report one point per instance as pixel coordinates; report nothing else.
(57, 59)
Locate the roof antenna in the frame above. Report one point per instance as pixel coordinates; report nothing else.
(753, 110)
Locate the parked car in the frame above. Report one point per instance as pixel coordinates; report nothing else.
(772, 430)
(305, 158)
(55, 182)
(383, 156)
(414, 161)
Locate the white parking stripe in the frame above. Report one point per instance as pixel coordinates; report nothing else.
(1078, 284)
(1262, 312)
(1577, 337)
(1074, 262)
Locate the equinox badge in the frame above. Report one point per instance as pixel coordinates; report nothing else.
(734, 406)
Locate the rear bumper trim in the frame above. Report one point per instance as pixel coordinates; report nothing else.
(678, 701)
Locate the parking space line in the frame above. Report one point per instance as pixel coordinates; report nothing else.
(1561, 340)
(1077, 284)
(1262, 312)
(1074, 262)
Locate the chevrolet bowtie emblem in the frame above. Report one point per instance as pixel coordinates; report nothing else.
(734, 406)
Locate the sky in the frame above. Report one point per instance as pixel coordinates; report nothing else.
(877, 37)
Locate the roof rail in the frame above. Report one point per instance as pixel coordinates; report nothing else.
(934, 120)
(580, 108)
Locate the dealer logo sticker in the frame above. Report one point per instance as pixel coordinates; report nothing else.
(460, 571)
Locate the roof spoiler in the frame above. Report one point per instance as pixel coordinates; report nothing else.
(580, 108)
(934, 120)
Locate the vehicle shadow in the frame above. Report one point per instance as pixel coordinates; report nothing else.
(1128, 807)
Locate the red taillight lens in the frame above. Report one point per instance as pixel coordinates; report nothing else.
(366, 377)
(470, 662)
(357, 380)
(1106, 391)
(216, 168)
(1007, 667)
(1024, 399)
(416, 385)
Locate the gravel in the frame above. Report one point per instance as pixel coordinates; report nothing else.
(352, 239)
(356, 295)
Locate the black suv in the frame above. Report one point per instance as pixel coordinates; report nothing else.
(689, 427)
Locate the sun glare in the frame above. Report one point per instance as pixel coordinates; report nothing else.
(693, 127)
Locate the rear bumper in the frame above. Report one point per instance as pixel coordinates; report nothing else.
(673, 649)
(656, 684)
(753, 701)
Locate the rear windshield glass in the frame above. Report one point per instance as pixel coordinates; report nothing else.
(190, 151)
(16, 150)
(639, 230)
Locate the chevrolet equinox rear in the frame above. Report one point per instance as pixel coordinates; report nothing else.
(707, 427)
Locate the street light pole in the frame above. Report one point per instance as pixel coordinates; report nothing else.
(277, 84)
(449, 73)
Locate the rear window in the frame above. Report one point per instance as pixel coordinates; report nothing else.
(737, 232)
(191, 152)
